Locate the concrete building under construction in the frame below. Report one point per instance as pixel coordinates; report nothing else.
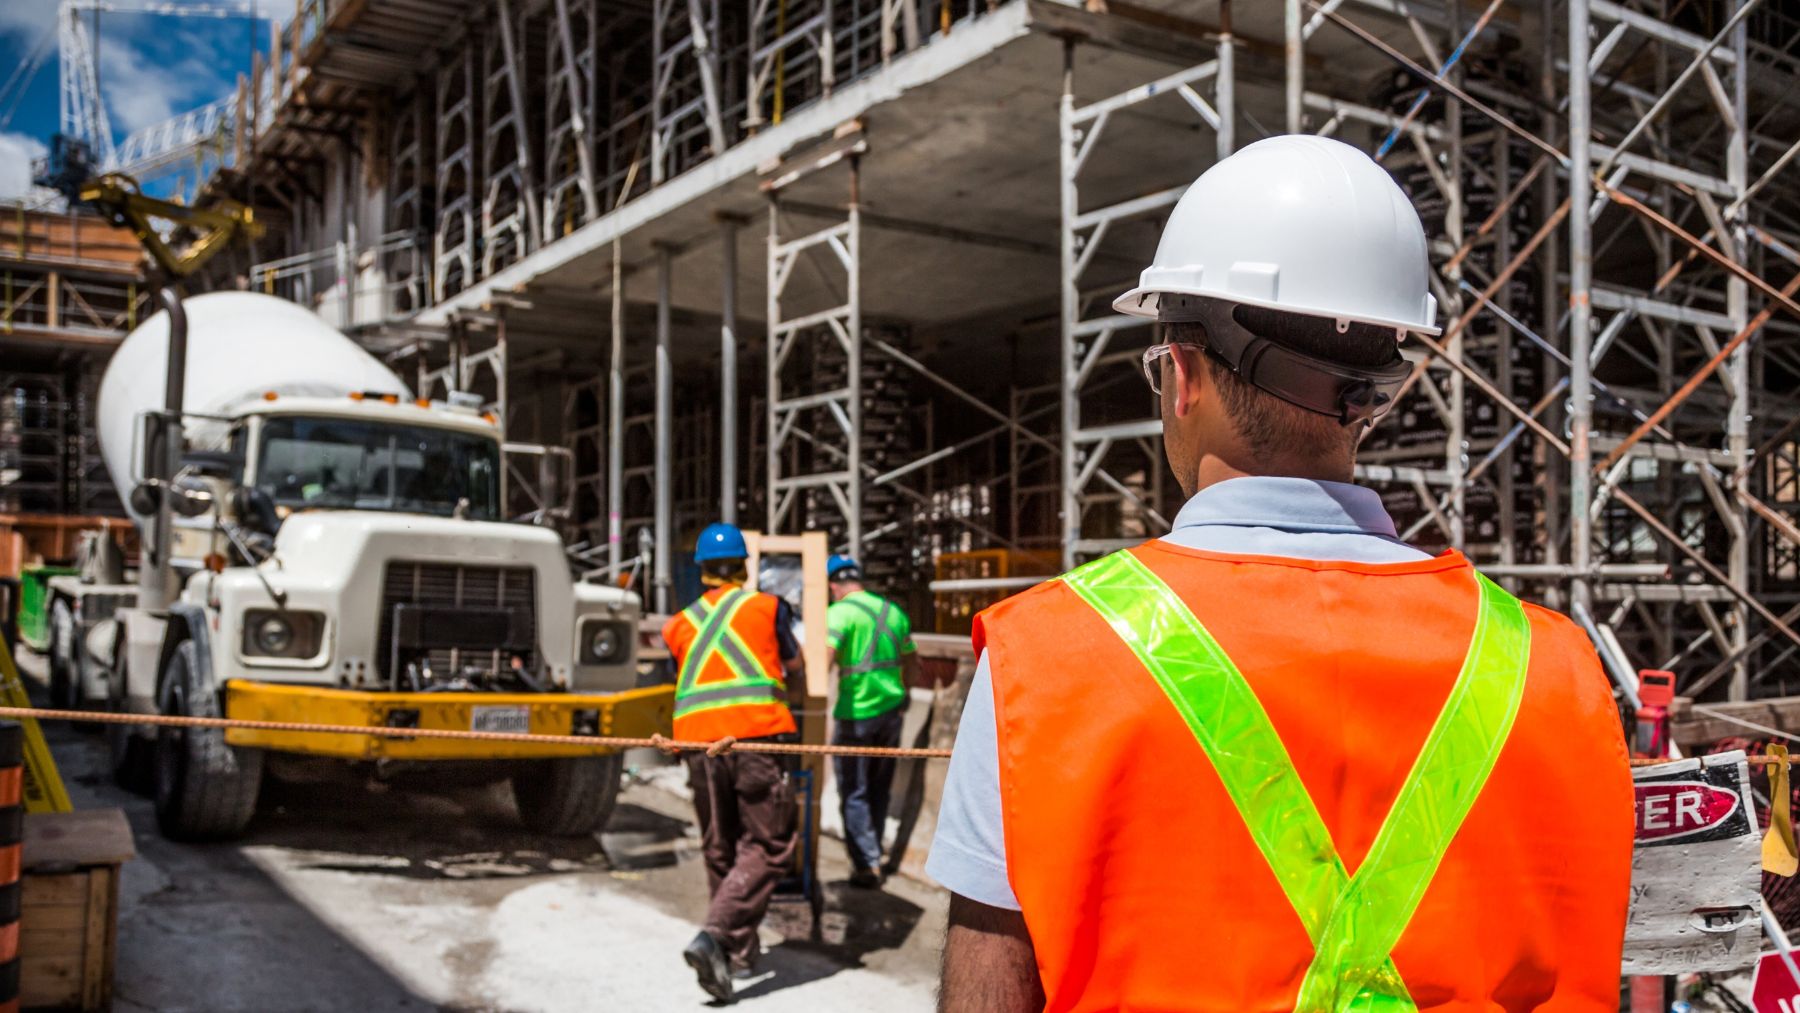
(846, 265)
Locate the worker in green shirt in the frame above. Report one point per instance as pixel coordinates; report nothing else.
(872, 652)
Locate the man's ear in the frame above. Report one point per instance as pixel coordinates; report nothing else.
(1192, 384)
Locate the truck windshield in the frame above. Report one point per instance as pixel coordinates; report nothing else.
(349, 464)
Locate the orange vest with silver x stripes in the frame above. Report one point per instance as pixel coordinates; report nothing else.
(729, 679)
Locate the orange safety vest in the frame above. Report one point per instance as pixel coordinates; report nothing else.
(1140, 877)
(730, 679)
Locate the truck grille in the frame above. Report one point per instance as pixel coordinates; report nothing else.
(457, 586)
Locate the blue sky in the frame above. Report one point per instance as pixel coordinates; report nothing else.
(151, 68)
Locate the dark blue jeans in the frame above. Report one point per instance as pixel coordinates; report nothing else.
(864, 783)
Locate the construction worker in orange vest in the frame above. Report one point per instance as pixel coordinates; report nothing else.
(1278, 760)
(737, 658)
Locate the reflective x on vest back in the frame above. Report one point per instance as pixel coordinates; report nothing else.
(882, 633)
(748, 683)
(1353, 921)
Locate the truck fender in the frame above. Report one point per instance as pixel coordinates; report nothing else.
(187, 622)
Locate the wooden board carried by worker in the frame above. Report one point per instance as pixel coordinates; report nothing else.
(1696, 868)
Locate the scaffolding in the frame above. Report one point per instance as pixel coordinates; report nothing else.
(1604, 424)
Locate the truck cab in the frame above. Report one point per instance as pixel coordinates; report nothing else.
(344, 560)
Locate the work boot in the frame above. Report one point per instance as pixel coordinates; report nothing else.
(865, 879)
(707, 958)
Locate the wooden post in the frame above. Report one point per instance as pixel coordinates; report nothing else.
(815, 652)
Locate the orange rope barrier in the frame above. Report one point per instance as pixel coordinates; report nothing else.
(596, 741)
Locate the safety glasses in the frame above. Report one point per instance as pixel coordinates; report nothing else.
(1153, 362)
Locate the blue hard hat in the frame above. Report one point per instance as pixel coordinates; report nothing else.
(837, 564)
(720, 541)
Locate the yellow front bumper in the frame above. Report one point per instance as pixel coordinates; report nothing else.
(632, 713)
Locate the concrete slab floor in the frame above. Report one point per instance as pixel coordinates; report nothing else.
(356, 896)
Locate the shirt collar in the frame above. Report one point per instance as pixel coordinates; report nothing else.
(1288, 504)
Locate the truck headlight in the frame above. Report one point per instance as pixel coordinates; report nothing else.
(282, 634)
(604, 642)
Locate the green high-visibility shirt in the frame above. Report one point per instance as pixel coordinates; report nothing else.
(868, 635)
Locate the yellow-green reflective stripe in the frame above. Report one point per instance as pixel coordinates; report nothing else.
(1445, 780)
(1226, 718)
(1351, 969)
(700, 648)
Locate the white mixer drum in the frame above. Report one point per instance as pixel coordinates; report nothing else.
(241, 345)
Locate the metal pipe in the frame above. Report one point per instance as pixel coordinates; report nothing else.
(986, 584)
(661, 575)
(853, 296)
(1621, 672)
(1296, 65)
(728, 355)
(1070, 512)
(615, 422)
(163, 460)
(1581, 275)
(1737, 306)
(1225, 85)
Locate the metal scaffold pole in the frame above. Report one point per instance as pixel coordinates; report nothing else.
(1581, 272)
(615, 422)
(665, 436)
(728, 375)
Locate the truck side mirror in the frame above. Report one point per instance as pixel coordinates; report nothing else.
(188, 497)
(224, 464)
(255, 510)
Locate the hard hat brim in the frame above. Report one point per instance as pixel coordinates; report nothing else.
(1143, 300)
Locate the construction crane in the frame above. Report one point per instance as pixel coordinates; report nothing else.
(83, 146)
(212, 228)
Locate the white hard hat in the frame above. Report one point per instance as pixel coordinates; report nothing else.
(1298, 223)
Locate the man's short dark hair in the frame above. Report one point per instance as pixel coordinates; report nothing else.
(725, 569)
(1267, 423)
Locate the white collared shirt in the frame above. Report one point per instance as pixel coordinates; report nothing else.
(1260, 516)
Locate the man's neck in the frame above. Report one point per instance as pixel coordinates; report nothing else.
(1214, 469)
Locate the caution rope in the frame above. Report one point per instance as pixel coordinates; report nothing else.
(598, 742)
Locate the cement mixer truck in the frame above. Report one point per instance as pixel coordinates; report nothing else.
(321, 547)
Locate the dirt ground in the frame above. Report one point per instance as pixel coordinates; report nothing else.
(352, 895)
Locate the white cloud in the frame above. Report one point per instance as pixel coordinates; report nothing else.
(141, 91)
(16, 154)
(27, 19)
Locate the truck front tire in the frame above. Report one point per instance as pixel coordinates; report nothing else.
(205, 788)
(570, 797)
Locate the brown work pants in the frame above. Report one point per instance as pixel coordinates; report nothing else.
(745, 805)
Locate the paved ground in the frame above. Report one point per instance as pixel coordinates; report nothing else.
(353, 896)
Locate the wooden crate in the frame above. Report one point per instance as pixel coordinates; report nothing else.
(69, 912)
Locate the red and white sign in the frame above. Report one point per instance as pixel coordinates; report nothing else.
(1671, 809)
(1773, 990)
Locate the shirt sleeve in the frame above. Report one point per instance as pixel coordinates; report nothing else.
(835, 623)
(968, 853)
(903, 626)
(786, 644)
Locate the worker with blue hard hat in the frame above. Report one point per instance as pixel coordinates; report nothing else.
(737, 661)
(872, 654)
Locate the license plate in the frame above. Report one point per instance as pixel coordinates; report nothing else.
(500, 719)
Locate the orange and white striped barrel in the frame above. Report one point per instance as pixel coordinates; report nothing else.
(12, 835)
